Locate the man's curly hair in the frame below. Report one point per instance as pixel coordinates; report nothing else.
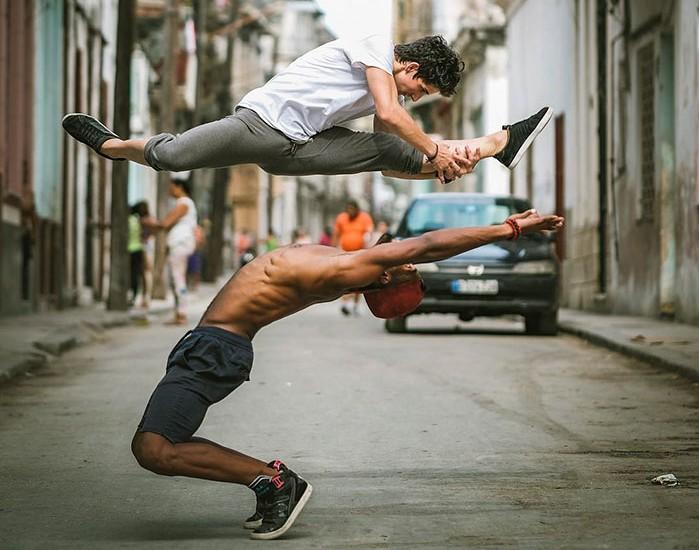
(440, 66)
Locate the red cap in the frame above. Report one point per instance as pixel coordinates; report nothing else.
(396, 301)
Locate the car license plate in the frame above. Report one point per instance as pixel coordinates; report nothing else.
(474, 286)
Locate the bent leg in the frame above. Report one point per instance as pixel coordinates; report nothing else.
(197, 458)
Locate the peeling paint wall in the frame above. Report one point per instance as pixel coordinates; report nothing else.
(555, 66)
(687, 160)
(652, 244)
(656, 270)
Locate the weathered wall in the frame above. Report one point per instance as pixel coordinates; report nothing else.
(687, 160)
(657, 268)
(554, 66)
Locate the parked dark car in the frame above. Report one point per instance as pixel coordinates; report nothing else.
(505, 277)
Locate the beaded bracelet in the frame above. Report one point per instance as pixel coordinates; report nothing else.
(516, 229)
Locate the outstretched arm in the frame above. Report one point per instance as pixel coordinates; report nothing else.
(358, 269)
(168, 221)
(445, 243)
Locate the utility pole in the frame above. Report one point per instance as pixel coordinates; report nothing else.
(213, 266)
(119, 257)
(167, 123)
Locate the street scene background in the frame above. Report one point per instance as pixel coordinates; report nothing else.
(458, 433)
(474, 436)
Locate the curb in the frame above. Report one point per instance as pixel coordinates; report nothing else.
(52, 345)
(637, 352)
(20, 363)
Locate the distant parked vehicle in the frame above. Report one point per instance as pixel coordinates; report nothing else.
(520, 277)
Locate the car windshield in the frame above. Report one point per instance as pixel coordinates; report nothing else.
(428, 215)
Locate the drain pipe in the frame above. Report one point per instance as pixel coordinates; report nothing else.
(602, 140)
(617, 171)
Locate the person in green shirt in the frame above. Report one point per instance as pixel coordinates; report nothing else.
(135, 248)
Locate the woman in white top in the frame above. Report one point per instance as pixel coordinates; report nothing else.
(180, 224)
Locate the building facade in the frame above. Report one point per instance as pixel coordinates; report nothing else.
(620, 160)
(56, 56)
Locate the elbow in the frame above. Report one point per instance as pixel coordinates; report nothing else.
(387, 115)
(426, 247)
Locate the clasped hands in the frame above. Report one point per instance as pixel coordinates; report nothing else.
(452, 162)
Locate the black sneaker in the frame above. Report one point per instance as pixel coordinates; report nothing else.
(520, 136)
(255, 520)
(88, 130)
(285, 504)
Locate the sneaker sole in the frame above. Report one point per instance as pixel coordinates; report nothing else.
(527, 142)
(98, 122)
(256, 523)
(290, 521)
(252, 524)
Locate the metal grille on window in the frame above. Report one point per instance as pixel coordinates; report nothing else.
(646, 88)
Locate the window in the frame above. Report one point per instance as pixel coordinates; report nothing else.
(428, 215)
(646, 102)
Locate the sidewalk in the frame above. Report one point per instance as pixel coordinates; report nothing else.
(31, 341)
(668, 345)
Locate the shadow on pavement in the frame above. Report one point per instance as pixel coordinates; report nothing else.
(447, 331)
(177, 529)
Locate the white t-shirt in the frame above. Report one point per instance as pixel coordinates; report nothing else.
(323, 88)
(182, 233)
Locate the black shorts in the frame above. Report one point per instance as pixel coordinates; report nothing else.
(205, 366)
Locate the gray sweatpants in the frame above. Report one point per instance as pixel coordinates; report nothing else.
(243, 138)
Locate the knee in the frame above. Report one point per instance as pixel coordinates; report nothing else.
(153, 452)
(162, 153)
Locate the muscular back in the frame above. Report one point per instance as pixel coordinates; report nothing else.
(276, 285)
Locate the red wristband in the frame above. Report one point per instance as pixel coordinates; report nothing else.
(516, 229)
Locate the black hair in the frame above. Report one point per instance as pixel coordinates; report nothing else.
(385, 238)
(352, 203)
(440, 66)
(184, 185)
(140, 208)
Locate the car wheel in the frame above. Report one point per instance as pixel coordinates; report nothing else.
(545, 323)
(396, 325)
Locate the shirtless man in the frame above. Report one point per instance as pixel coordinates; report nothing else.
(211, 361)
(293, 124)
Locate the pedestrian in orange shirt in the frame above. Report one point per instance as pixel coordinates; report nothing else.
(352, 230)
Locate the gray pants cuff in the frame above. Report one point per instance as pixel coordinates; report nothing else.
(414, 163)
(149, 151)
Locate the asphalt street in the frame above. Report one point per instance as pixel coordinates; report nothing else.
(455, 435)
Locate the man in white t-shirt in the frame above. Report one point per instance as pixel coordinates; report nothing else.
(292, 124)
